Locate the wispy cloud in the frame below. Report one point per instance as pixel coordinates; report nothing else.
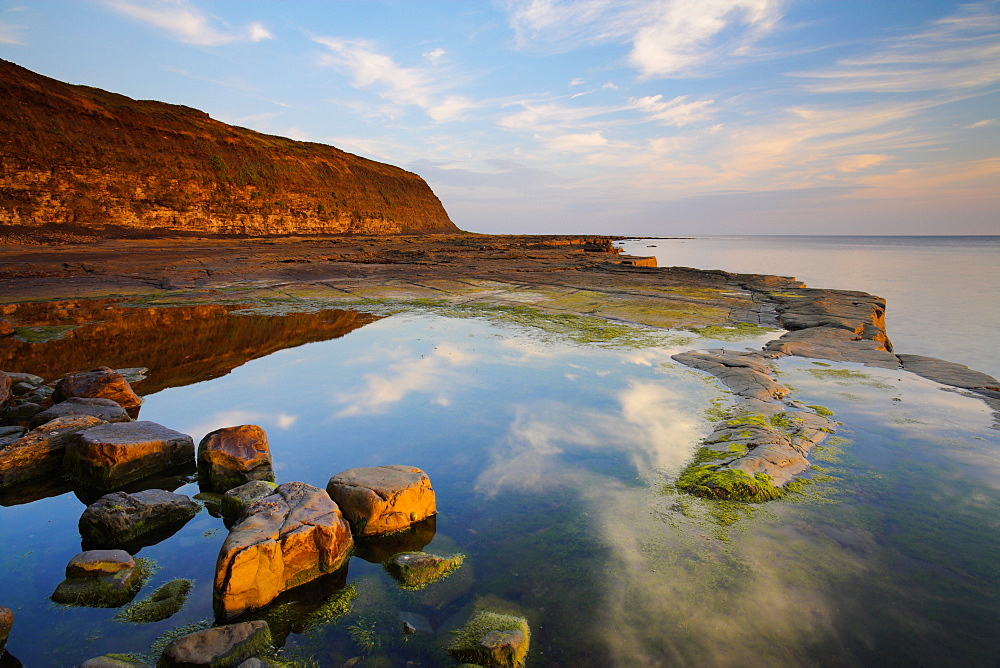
(187, 23)
(677, 112)
(960, 52)
(669, 38)
(9, 34)
(400, 85)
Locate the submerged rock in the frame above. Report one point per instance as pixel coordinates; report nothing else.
(288, 538)
(382, 499)
(221, 646)
(161, 604)
(231, 456)
(103, 409)
(112, 661)
(100, 579)
(102, 382)
(746, 374)
(416, 570)
(492, 639)
(378, 549)
(135, 520)
(40, 452)
(113, 455)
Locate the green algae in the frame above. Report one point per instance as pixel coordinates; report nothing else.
(822, 410)
(469, 643)
(42, 333)
(846, 376)
(735, 332)
(166, 601)
(415, 570)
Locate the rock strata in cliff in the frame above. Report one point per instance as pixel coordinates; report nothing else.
(82, 158)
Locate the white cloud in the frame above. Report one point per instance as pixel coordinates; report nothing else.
(189, 24)
(434, 55)
(669, 37)
(577, 82)
(576, 142)
(401, 85)
(9, 34)
(956, 53)
(674, 112)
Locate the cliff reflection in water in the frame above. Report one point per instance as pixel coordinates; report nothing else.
(180, 345)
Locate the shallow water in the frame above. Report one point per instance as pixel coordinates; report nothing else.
(551, 460)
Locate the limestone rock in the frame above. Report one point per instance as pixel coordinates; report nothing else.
(231, 456)
(236, 501)
(135, 520)
(286, 539)
(221, 646)
(102, 382)
(103, 409)
(416, 570)
(6, 622)
(40, 452)
(95, 563)
(492, 639)
(112, 455)
(382, 499)
(100, 586)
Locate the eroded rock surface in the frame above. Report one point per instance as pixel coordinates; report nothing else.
(102, 382)
(6, 624)
(745, 373)
(236, 501)
(382, 499)
(232, 456)
(228, 645)
(288, 538)
(131, 520)
(40, 452)
(107, 579)
(112, 455)
(105, 410)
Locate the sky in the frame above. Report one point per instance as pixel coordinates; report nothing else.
(633, 117)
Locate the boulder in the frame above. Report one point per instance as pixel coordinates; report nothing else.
(95, 563)
(235, 502)
(288, 538)
(5, 385)
(135, 520)
(112, 661)
(382, 499)
(6, 622)
(9, 434)
(21, 411)
(379, 549)
(29, 378)
(228, 645)
(113, 455)
(107, 579)
(102, 382)
(231, 456)
(40, 452)
(416, 570)
(492, 639)
(6, 329)
(103, 409)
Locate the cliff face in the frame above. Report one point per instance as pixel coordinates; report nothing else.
(84, 157)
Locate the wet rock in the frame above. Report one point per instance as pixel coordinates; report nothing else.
(288, 538)
(228, 645)
(378, 549)
(383, 499)
(135, 520)
(10, 433)
(236, 501)
(5, 385)
(492, 639)
(950, 373)
(101, 586)
(416, 570)
(112, 455)
(40, 452)
(95, 563)
(21, 389)
(161, 604)
(415, 623)
(6, 623)
(102, 382)
(6, 329)
(835, 344)
(29, 378)
(231, 456)
(21, 412)
(746, 374)
(103, 409)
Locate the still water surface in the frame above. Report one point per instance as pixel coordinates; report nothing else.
(551, 461)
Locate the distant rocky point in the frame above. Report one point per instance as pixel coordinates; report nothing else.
(83, 160)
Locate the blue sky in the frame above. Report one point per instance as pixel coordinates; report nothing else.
(640, 117)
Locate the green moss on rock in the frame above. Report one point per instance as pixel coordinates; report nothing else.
(416, 570)
(161, 604)
(712, 481)
(492, 639)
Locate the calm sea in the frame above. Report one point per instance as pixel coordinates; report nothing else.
(941, 290)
